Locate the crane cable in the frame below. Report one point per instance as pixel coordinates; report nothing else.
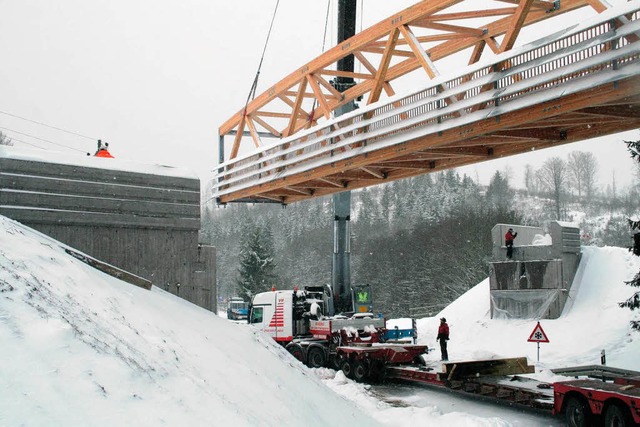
(324, 40)
(252, 91)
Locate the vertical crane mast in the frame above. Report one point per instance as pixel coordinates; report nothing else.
(341, 261)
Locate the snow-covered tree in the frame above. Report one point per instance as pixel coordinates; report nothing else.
(634, 301)
(256, 272)
(4, 140)
(499, 194)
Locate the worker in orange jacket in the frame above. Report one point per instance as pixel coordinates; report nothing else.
(102, 150)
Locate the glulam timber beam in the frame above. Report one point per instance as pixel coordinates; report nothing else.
(306, 95)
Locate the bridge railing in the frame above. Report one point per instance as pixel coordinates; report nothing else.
(580, 57)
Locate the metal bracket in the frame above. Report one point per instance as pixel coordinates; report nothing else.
(556, 6)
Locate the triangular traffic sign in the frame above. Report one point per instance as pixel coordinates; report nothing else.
(538, 335)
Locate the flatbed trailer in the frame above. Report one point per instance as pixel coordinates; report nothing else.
(514, 389)
(610, 398)
(371, 362)
(498, 378)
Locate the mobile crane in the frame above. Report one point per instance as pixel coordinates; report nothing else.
(356, 341)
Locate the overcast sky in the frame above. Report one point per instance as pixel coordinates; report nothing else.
(157, 79)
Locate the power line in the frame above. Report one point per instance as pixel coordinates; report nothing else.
(42, 139)
(25, 142)
(49, 126)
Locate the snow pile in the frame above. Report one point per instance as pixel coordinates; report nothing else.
(82, 348)
(540, 240)
(591, 322)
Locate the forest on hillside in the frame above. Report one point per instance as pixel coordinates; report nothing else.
(420, 242)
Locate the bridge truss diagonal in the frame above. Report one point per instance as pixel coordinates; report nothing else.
(579, 83)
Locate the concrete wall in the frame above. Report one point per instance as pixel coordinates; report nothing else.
(143, 219)
(536, 281)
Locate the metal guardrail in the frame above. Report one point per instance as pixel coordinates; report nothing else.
(573, 60)
(599, 372)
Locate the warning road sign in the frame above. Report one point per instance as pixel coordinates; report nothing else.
(538, 335)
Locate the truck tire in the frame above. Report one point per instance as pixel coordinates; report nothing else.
(617, 416)
(577, 413)
(360, 371)
(316, 358)
(296, 351)
(347, 369)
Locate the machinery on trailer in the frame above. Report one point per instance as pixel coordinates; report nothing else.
(305, 323)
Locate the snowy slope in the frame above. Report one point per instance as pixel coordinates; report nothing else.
(593, 322)
(82, 348)
(79, 348)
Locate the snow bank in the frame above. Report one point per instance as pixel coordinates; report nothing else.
(594, 322)
(80, 348)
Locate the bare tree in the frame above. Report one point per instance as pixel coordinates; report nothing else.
(553, 177)
(582, 168)
(4, 140)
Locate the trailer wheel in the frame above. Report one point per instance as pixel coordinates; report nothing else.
(296, 351)
(617, 416)
(335, 362)
(377, 372)
(577, 413)
(347, 369)
(316, 357)
(360, 371)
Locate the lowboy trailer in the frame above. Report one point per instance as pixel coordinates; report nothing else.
(603, 396)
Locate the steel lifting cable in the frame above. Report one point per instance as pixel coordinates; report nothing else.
(324, 40)
(252, 91)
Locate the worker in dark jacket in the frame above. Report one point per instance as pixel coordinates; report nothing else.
(508, 242)
(443, 337)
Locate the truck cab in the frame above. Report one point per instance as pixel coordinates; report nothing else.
(286, 314)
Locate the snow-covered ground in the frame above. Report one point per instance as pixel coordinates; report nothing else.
(80, 348)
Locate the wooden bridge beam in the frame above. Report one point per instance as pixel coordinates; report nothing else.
(481, 133)
(428, 13)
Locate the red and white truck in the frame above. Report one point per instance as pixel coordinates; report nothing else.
(303, 321)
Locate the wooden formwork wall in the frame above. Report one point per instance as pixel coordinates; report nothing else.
(145, 223)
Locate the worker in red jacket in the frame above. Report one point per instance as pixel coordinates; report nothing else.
(443, 337)
(508, 242)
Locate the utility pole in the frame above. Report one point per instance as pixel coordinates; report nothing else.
(341, 261)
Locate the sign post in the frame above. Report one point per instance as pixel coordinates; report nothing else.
(538, 336)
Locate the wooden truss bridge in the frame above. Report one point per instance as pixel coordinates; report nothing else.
(579, 83)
